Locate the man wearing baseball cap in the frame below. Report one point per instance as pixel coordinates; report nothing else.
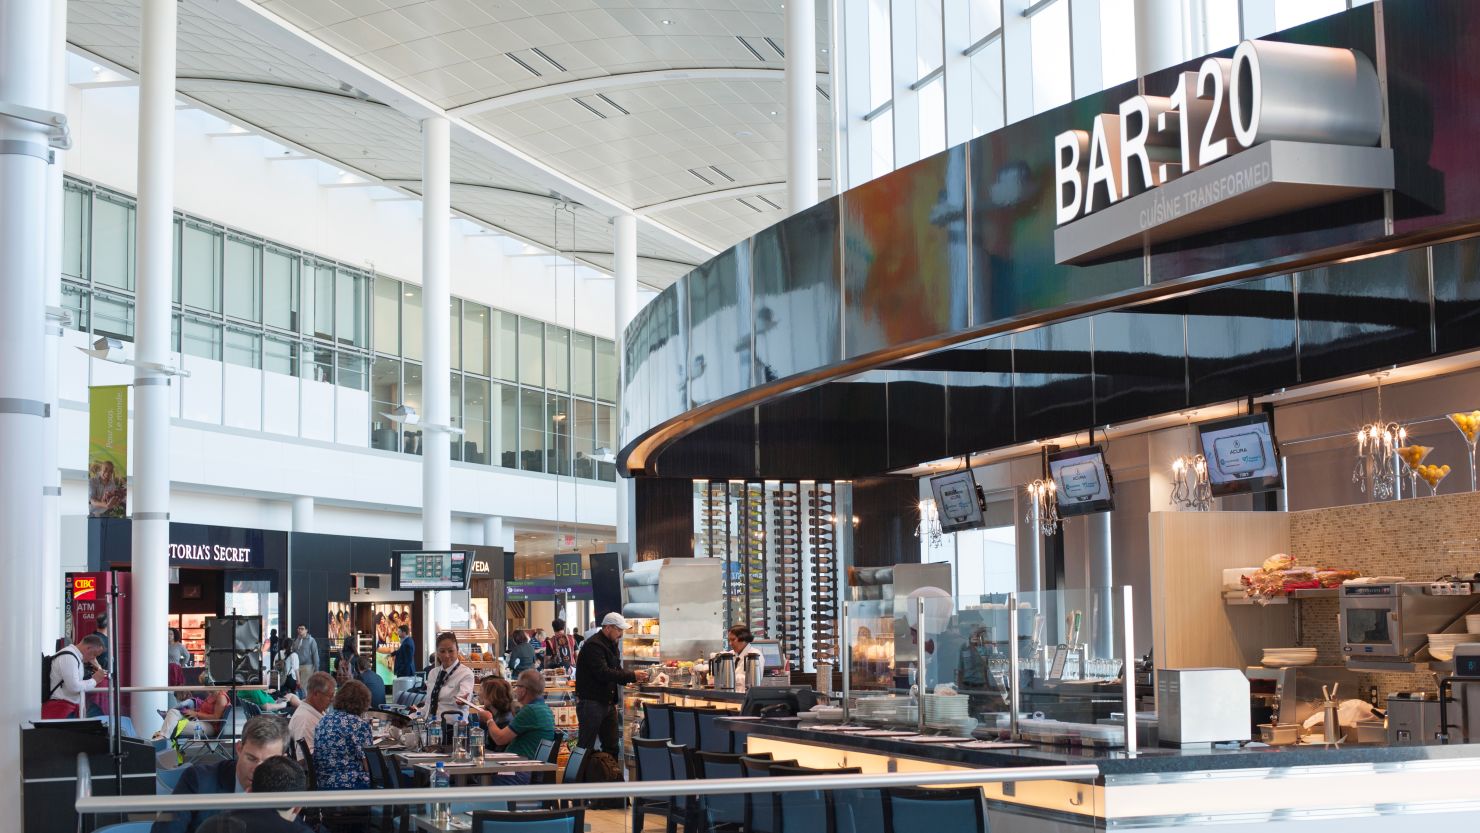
(599, 680)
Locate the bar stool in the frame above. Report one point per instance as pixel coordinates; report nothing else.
(760, 805)
(657, 721)
(807, 811)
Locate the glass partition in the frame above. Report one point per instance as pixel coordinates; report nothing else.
(1069, 649)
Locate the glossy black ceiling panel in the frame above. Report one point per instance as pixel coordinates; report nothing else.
(1054, 380)
(1240, 339)
(979, 396)
(1457, 295)
(1140, 362)
(1363, 315)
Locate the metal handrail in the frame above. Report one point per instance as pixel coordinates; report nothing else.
(88, 803)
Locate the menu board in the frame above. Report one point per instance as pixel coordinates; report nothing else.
(956, 502)
(442, 570)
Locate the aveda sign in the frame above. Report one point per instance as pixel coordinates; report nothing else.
(1276, 128)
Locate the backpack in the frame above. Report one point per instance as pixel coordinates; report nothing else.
(559, 652)
(47, 689)
(602, 768)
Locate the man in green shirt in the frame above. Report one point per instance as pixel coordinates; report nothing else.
(533, 723)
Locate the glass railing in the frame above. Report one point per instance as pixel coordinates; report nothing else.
(699, 790)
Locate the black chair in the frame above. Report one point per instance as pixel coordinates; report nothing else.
(305, 757)
(806, 811)
(685, 727)
(721, 813)
(760, 805)
(657, 721)
(712, 736)
(685, 807)
(915, 810)
(574, 773)
(529, 821)
(653, 764)
(384, 776)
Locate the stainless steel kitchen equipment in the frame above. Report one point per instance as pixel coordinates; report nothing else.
(1459, 697)
(1412, 718)
(1391, 621)
(1290, 695)
(751, 671)
(722, 670)
(1201, 706)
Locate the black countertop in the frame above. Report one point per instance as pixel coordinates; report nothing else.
(1112, 762)
(717, 695)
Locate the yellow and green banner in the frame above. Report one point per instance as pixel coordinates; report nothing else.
(107, 455)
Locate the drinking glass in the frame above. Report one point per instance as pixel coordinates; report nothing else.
(1468, 425)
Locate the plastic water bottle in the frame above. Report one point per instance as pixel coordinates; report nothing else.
(460, 738)
(475, 742)
(441, 810)
(434, 733)
(200, 731)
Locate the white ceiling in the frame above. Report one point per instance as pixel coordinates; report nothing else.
(679, 139)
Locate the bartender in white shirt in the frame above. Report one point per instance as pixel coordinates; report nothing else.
(740, 645)
(449, 682)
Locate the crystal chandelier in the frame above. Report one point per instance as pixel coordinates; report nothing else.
(1376, 471)
(1043, 507)
(1190, 486)
(928, 529)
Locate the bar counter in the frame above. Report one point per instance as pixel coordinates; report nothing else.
(701, 696)
(1357, 788)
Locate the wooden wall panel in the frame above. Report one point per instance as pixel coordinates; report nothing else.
(1192, 627)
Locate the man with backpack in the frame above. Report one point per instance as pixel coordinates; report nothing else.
(67, 678)
(560, 647)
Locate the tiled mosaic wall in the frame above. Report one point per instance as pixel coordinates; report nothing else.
(1418, 539)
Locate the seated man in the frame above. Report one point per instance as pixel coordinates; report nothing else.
(265, 736)
(533, 723)
(274, 775)
(372, 680)
(310, 710)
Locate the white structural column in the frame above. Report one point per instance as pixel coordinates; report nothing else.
(624, 268)
(436, 506)
(493, 531)
(1102, 579)
(24, 37)
(801, 105)
(51, 542)
(1161, 34)
(303, 513)
(150, 478)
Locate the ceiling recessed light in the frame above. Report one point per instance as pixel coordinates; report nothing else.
(773, 112)
(97, 68)
(824, 50)
(743, 134)
(667, 23)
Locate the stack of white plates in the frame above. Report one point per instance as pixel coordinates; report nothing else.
(944, 707)
(1441, 645)
(1287, 657)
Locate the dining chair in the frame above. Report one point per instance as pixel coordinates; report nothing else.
(530, 821)
(915, 810)
(653, 764)
(806, 811)
(760, 805)
(165, 780)
(712, 736)
(657, 721)
(720, 813)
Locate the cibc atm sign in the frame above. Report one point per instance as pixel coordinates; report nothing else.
(84, 588)
(1275, 128)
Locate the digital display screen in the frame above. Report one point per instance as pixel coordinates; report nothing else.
(771, 653)
(956, 501)
(442, 570)
(1242, 455)
(1083, 481)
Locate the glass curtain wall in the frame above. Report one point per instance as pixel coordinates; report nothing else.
(919, 76)
(528, 395)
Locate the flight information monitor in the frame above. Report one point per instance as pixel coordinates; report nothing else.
(1242, 454)
(1083, 481)
(431, 570)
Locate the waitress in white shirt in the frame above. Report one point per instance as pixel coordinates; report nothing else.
(449, 682)
(740, 645)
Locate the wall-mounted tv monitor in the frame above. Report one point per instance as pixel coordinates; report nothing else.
(957, 502)
(1083, 481)
(431, 570)
(1242, 454)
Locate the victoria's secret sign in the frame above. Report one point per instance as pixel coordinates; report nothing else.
(187, 554)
